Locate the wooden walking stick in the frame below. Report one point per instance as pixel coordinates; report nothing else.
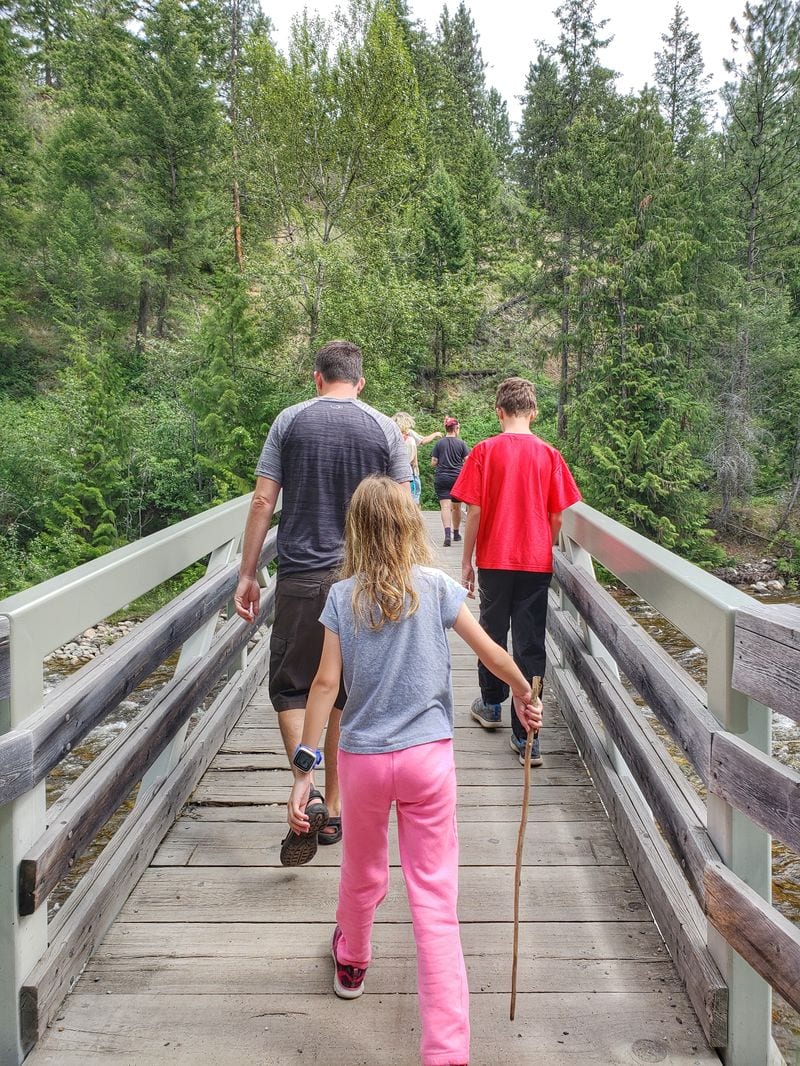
(536, 688)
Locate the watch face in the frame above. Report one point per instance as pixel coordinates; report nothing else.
(304, 760)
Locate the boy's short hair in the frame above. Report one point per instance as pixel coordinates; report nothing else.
(339, 361)
(516, 396)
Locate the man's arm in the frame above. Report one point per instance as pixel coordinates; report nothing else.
(468, 552)
(262, 507)
(321, 698)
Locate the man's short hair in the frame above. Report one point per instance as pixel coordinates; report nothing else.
(339, 361)
(517, 396)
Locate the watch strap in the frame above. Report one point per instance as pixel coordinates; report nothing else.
(316, 754)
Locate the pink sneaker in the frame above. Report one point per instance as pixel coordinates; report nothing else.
(348, 981)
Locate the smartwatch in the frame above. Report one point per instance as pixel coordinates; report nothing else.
(305, 759)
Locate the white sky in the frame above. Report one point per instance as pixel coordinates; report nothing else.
(509, 30)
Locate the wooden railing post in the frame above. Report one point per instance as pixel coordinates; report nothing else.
(22, 940)
(194, 648)
(746, 850)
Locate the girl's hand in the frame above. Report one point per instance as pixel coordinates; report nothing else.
(529, 710)
(298, 799)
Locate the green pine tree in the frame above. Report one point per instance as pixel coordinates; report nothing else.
(175, 131)
(16, 171)
(460, 49)
(444, 262)
(681, 83)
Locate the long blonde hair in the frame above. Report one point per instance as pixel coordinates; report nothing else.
(383, 539)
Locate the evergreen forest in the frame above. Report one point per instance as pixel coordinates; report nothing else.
(187, 211)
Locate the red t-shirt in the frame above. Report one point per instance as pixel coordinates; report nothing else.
(518, 481)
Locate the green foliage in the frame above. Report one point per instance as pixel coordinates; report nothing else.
(15, 178)
(224, 393)
(175, 128)
(639, 266)
(681, 84)
(461, 54)
(84, 504)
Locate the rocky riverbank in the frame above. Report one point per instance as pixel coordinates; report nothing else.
(761, 577)
(88, 645)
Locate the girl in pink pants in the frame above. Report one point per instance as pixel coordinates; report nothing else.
(385, 630)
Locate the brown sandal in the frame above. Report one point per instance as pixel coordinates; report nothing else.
(335, 822)
(299, 848)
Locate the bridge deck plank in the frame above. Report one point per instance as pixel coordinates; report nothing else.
(221, 955)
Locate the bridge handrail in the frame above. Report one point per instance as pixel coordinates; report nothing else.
(730, 749)
(36, 733)
(50, 613)
(91, 800)
(75, 706)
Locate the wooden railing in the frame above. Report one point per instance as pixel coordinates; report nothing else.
(704, 867)
(39, 847)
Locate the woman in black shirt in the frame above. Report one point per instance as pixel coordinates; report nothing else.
(447, 459)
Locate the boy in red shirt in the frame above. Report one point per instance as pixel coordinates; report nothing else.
(517, 485)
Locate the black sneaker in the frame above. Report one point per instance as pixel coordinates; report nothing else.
(456, 535)
(447, 540)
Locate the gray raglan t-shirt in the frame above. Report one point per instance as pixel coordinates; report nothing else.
(319, 451)
(399, 692)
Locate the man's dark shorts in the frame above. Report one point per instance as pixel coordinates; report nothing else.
(297, 636)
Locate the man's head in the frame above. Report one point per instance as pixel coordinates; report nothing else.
(516, 397)
(339, 362)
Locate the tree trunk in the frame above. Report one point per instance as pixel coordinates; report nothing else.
(315, 307)
(438, 363)
(143, 314)
(233, 115)
(789, 507)
(237, 221)
(563, 383)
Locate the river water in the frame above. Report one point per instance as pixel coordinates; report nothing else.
(786, 748)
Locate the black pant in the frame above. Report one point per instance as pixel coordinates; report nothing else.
(519, 599)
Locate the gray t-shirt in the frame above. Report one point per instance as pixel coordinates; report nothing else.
(397, 678)
(319, 451)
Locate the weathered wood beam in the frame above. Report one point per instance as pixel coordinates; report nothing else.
(675, 909)
(766, 940)
(86, 806)
(670, 693)
(667, 794)
(766, 658)
(75, 706)
(83, 921)
(758, 785)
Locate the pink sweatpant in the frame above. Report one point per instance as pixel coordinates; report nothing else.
(422, 782)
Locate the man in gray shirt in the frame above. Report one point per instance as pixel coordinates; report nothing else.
(317, 452)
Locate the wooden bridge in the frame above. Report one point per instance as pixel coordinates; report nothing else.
(187, 942)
